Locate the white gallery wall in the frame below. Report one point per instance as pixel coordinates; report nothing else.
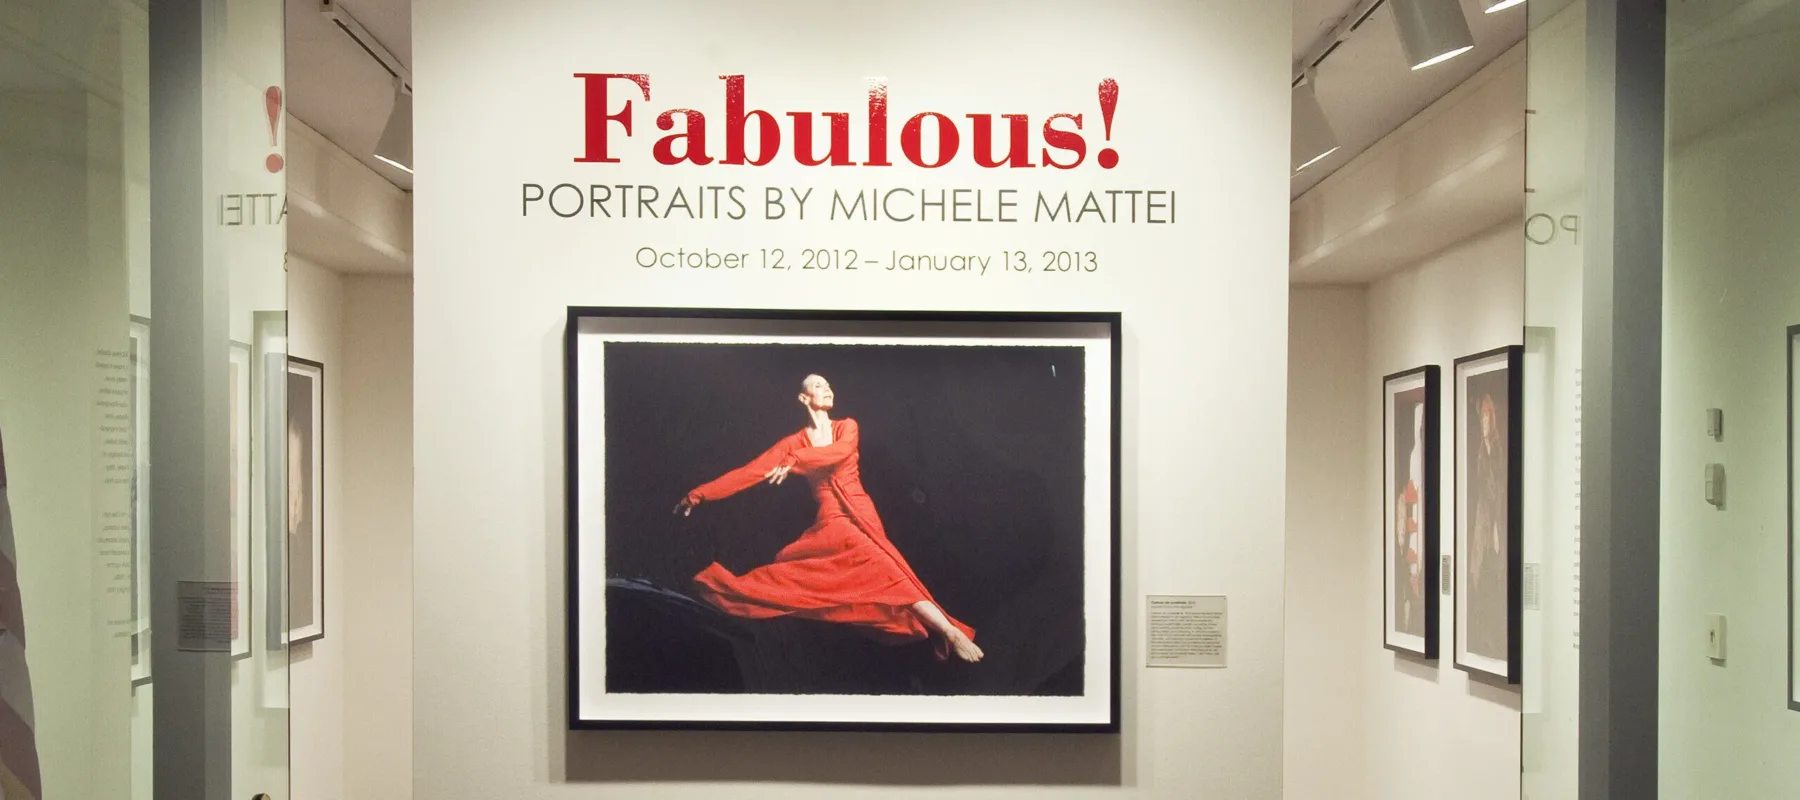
(350, 691)
(350, 303)
(1326, 711)
(316, 671)
(1388, 726)
(1732, 287)
(376, 538)
(1202, 112)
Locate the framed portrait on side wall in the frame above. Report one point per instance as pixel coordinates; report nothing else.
(1793, 487)
(268, 503)
(238, 373)
(305, 542)
(842, 520)
(1409, 471)
(138, 354)
(268, 487)
(1489, 548)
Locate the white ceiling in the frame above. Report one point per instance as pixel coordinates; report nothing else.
(1453, 171)
(1728, 59)
(335, 87)
(1366, 87)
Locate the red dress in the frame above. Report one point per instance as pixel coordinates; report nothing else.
(842, 569)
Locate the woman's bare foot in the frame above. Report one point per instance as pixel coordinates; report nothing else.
(964, 647)
(934, 618)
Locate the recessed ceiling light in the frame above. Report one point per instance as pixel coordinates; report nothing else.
(1502, 5)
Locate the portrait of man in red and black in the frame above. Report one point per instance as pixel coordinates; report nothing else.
(1487, 516)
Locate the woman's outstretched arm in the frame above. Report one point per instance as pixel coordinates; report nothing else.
(741, 478)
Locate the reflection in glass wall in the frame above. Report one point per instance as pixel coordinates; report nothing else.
(78, 344)
(1730, 726)
(75, 346)
(246, 244)
(1556, 142)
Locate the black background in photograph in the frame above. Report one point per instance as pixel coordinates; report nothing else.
(972, 455)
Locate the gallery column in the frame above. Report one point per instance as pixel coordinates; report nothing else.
(1621, 399)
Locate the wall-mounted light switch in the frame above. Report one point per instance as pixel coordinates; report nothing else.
(1715, 485)
(1715, 637)
(1715, 423)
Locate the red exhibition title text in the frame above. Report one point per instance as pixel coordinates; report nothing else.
(686, 138)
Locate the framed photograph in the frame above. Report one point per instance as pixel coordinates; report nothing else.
(305, 542)
(269, 484)
(138, 350)
(238, 374)
(795, 520)
(1793, 381)
(1409, 471)
(268, 504)
(1489, 511)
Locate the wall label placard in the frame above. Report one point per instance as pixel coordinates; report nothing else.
(1186, 630)
(1530, 586)
(207, 622)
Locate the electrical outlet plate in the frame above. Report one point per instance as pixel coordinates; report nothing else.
(1715, 423)
(1715, 485)
(1715, 637)
(1531, 586)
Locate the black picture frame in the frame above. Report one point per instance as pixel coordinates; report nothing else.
(1112, 324)
(1511, 668)
(1423, 379)
(302, 634)
(1793, 504)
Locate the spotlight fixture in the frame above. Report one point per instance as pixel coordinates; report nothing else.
(1501, 5)
(1432, 31)
(395, 147)
(1312, 136)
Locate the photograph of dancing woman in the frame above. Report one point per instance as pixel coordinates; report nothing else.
(915, 523)
(843, 568)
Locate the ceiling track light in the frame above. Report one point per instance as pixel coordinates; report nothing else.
(395, 146)
(1313, 138)
(1432, 31)
(1501, 5)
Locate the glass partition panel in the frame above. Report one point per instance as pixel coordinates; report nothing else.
(75, 673)
(79, 343)
(1729, 707)
(1556, 141)
(246, 245)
